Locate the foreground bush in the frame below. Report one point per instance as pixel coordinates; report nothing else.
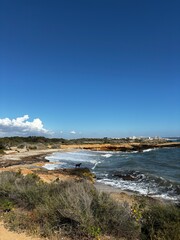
(75, 209)
(78, 210)
(161, 222)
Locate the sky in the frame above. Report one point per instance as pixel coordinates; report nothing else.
(89, 68)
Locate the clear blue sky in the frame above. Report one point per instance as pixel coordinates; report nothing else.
(95, 67)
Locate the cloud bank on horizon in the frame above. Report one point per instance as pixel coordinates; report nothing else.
(22, 127)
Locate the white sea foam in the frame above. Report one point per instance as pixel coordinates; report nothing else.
(51, 166)
(73, 157)
(101, 164)
(148, 150)
(95, 165)
(166, 197)
(81, 153)
(125, 185)
(104, 152)
(141, 188)
(107, 155)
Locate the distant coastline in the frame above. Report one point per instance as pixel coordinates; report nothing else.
(124, 147)
(23, 149)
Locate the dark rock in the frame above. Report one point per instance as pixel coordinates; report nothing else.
(127, 177)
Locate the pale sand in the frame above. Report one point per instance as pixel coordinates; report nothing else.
(13, 155)
(5, 234)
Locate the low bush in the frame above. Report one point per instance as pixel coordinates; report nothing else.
(1, 151)
(5, 205)
(161, 222)
(75, 209)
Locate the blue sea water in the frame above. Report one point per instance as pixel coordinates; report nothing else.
(154, 172)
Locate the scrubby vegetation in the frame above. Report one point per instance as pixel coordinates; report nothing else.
(33, 142)
(79, 211)
(161, 222)
(2, 148)
(75, 209)
(158, 220)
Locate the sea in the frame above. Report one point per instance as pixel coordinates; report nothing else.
(153, 172)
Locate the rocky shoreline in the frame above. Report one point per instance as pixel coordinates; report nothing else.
(32, 162)
(124, 147)
(11, 158)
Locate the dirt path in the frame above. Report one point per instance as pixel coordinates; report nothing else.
(5, 234)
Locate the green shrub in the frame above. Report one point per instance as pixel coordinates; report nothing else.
(89, 213)
(114, 218)
(1, 151)
(5, 205)
(78, 210)
(31, 147)
(25, 191)
(161, 222)
(7, 180)
(75, 208)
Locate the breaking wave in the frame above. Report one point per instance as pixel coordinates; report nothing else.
(145, 184)
(107, 155)
(150, 172)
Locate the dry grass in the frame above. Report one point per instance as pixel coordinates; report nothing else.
(76, 210)
(73, 209)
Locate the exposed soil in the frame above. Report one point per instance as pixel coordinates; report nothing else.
(5, 234)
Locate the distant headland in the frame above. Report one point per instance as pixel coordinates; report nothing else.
(9, 145)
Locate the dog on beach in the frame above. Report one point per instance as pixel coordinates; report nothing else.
(78, 165)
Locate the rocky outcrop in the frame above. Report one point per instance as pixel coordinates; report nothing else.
(82, 173)
(4, 163)
(124, 147)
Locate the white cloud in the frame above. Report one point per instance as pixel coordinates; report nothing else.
(73, 132)
(22, 127)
